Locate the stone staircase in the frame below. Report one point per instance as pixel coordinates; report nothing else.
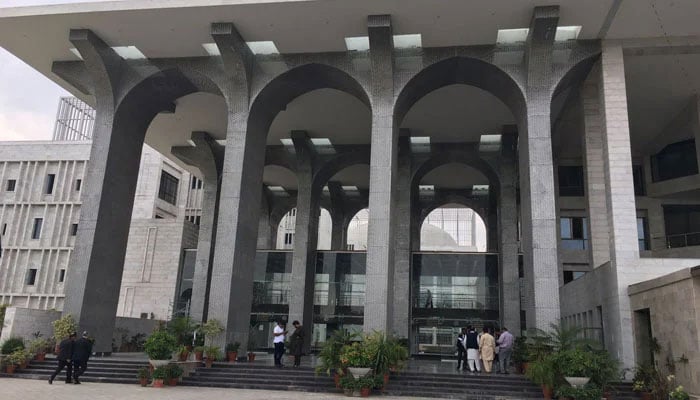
(99, 370)
(260, 376)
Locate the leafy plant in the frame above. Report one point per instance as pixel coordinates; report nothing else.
(519, 354)
(199, 349)
(588, 392)
(160, 345)
(174, 371)
(212, 352)
(63, 327)
(233, 346)
(542, 371)
(212, 328)
(143, 373)
(37, 346)
(643, 378)
(678, 394)
(357, 355)
(348, 382)
(368, 381)
(575, 362)
(329, 356)
(182, 328)
(11, 345)
(160, 373)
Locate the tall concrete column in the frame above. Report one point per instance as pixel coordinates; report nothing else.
(94, 278)
(537, 190)
(301, 293)
(266, 240)
(508, 235)
(402, 239)
(338, 217)
(207, 155)
(231, 291)
(595, 170)
(380, 241)
(622, 214)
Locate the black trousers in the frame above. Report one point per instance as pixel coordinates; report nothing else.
(297, 360)
(279, 353)
(69, 370)
(79, 368)
(461, 358)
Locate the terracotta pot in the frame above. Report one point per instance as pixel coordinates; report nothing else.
(336, 379)
(525, 366)
(198, 355)
(547, 392)
(10, 369)
(40, 356)
(364, 392)
(232, 356)
(251, 357)
(56, 349)
(208, 362)
(143, 381)
(184, 356)
(158, 383)
(645, 396)
(386, 379)
(23, 365)
(172, 381)
(607, 395)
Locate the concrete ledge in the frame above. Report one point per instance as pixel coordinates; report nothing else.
(664, 280)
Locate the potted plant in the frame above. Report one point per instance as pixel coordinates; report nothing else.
(23, 357)
(174, 374)
(358, 359)
(678, 394)
(329, 356)
(212, 353)
(575, 365)
(642, 381)
(587, 392)
(10, 362)
(182, 328)
(366, 383)
(348, 384)
(252, 344)
(159, 347)
(211, 329)
(183, 353)
(519, 355)
(38, 348)
(199, 353)
(542, 372)
(11, 345)
(232, 351)
(62, 328)
(143, 376)
(160, 374)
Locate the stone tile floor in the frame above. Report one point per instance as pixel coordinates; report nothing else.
(31, 389)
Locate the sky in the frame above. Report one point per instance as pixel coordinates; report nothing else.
(28, 100)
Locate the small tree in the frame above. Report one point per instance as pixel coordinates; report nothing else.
(63, 327)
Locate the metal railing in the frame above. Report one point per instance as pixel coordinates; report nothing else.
(683, 240)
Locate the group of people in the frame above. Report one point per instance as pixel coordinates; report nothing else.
(475, 348)
(296, 342)
(73, 355)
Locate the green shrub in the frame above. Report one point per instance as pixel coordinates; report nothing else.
(212, 352)
(37, 346)
(11, 345)
(160, 373)
(160, 345)
(63, 327)
(233, 346)
(588, 392)
(144, 373)
(174, 371)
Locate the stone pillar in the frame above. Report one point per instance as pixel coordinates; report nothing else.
(265, 239)
(508, 234)
(207, 155)
(599, 249)
(231, 293)
(301, 291)
(622, 213)
(537, 190)
(380, 246)
(97, 262)
(402, 237)
(338, 217)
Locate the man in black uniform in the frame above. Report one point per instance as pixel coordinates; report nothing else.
(82, 349)
(65, 352)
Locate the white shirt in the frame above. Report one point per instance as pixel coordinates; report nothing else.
(279, 338)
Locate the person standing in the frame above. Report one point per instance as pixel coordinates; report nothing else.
(279, 333)
(487, 349)
(461, 350)
(296, 343)
(472, 345)
(505, 343)
(82, 349)
(65, 352)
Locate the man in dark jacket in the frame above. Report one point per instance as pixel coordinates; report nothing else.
(82, 349)
(65, 352)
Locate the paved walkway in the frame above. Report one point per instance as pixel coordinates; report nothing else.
(31, 389)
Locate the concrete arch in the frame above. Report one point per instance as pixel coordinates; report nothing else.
(453, 199)
(459, 157)
(461, 70)
(337, 164)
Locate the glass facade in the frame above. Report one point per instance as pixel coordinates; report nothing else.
(573, 233)
(450, 291)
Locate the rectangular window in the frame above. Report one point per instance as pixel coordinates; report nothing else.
(197, 220)
(674, 161)
(78, 184)
(31, 277)
(73, 229)
(4, 229)
(168, 188)
(62, 275)
(574, 233)
(194, 183)
(570, 276)
(642, 237)
(36, 230)
(682, 225)
(638, 176)
(199, 183)
(50, 179)
(571, 181)
(11, 184)
(288, 238)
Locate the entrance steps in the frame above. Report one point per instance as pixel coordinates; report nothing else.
(243, 375)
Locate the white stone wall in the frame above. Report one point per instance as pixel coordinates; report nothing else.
(23, 322)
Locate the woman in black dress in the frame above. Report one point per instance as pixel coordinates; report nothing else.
(296, 343)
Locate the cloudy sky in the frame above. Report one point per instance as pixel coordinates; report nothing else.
(28, 100)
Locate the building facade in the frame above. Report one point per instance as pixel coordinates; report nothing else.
(548, 122)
